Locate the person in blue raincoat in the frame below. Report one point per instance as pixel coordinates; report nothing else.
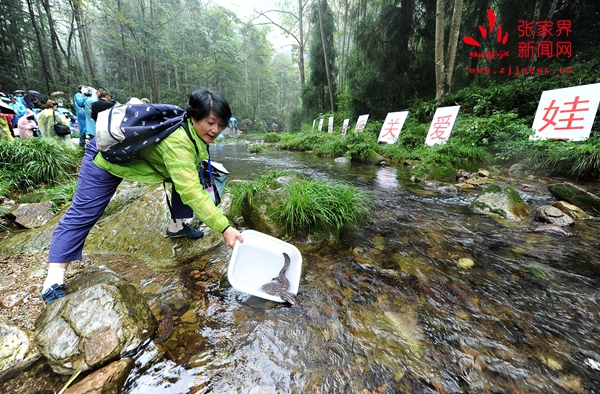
(19, 110)
(79, 100)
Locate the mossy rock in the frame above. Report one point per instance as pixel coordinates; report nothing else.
(504, 202)
(577, 196)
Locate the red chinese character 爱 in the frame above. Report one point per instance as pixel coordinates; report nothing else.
(443, 122)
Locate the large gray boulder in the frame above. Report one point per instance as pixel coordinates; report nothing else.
(101, 316)
(550, 214)
(134, 225)
(504, 202)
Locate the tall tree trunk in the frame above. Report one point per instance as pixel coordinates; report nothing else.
(552, 9)
(301, 6)
(536, 17)
(54, 40)
(440, 14)
(83, 43)
(329, 84)
(444, 64)
(343, 57)
(42, 52)
(452, 44)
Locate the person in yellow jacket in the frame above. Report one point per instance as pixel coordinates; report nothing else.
(5, 130)
(47, 118)
(207, 114)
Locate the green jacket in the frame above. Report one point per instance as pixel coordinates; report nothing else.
(175, 157)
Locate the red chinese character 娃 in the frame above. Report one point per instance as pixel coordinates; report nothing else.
(545, 49)
(440, 126)
(525, 48)
(564, 48)
(571, 111)
(544, 28)
(525, 28)
(563, 25)
(390, 129)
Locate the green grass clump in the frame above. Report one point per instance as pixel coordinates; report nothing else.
(272, 138)
(256, 148)
(304, 205)
(33, 162)
(320, 206)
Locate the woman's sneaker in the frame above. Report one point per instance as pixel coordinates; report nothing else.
(53, 293)
(186, 232)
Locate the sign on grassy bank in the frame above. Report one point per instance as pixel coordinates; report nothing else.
(345, 126)
(390, 131)
(330, 125)
(360, 123)
(441, 125)
(320, 124)
(567, 113)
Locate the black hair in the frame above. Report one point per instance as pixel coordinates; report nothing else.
(203, 101)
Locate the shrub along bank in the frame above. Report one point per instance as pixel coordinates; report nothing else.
(493, 128)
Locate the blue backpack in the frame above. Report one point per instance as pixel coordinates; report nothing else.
(125, 129)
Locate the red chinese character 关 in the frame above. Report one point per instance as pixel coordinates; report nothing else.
(545, 48)
(443, 122)
(391, 128)
(544, 28)
(571, 111)
(525, 28)
(550, 121)
(563, 48)
(563, 25)
(525, 49)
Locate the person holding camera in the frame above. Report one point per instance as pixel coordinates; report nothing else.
(79, 100)
(27, 126)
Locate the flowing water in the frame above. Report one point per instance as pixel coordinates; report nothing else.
(388, 309)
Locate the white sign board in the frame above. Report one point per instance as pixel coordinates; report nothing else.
(360, 123)
(314, 120)
(441, 125)
(391, 127)
(345, 126)
(567, 113)
(330, 125)
(320, 124)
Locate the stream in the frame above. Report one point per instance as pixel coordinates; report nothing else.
(388, 310)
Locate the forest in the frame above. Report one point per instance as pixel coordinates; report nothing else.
(349, 57)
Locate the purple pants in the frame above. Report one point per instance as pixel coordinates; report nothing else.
(95, 188)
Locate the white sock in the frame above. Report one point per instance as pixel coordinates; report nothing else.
(55, 275)
(175, 225)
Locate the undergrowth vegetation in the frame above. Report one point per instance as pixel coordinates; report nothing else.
(27, 165)
(493, 128)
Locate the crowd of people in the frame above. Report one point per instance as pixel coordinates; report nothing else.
(32, 116)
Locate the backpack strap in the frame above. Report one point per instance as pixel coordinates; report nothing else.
(167, 179)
